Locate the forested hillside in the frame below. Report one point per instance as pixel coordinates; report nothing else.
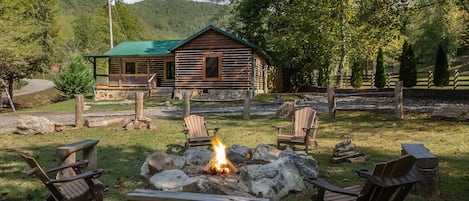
(84, 24)
(175, 18)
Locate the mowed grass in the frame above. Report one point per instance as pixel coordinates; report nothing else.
(121, 153)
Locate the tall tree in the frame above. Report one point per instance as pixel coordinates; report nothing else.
(408, 67)
(357, 74)
(27, 31)
(380, 73)
(441, 77)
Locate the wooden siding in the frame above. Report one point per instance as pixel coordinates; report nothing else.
(259, 73)
(212, 40)
(236, 69)
(145, 65)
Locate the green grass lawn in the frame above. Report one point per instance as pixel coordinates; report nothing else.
(121, 153)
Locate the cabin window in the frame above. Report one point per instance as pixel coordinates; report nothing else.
(212, 66)
(130, 66)
(169, 69)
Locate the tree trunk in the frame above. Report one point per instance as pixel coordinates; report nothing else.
(10, 87)
(344, 50)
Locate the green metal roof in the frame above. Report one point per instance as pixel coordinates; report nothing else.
(142, 48)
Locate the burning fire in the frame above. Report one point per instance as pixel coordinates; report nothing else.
(219, 164)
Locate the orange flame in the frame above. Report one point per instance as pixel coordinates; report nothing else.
(219, 164)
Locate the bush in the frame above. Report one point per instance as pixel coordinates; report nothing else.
(75, 78)
(441, 77)
(408, 68)
(380, 74)
(357, 74)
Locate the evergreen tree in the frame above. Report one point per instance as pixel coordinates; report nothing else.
(76, 78)
(380, 74)
(357, 74)
(441, 77)
(408, 69)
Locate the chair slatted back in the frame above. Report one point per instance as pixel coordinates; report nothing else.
(304, 118)
(391, 169)
(196, 126)
(41, 174)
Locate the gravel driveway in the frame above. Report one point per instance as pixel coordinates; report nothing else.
(318, 102)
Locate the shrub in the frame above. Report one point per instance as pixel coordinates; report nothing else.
(357, 74)
(408, 69)
(75, 78)
(380, 74)
(441, 77)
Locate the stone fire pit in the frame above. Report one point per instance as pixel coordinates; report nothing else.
(264, 172)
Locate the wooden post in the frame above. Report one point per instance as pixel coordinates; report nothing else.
(331, 101)
(66, 154)
(455, 79)
(247, 105)
(430, 79)
(138, 105)
(187, 104)
(398, 99)
(79, 107)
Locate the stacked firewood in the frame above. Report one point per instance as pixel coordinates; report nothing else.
(346, 151)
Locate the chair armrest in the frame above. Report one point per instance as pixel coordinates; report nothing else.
(322, 184)
(79, 164)
(363, 172)
(279, 129)
(91, 174)
(215, 130)
(411, 177)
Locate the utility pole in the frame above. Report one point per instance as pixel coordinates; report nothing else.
(110, 24)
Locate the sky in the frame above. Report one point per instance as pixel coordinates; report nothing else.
(131, 1)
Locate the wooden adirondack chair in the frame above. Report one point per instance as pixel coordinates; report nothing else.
(392, 179)
(304, 124)
(81, 187)
(196, 131)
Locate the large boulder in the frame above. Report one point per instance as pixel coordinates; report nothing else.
(238, 154)
(264, 154)
(156, 163)
(273, 180)
(30, 125)
(170, 180)
(197, 156)
(306, 164)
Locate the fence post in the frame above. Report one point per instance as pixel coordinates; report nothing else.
(430, 79)
(187, 104)
(138, 105)
(331, 101)
(388, 80)
(79, 107)
(456, 77)
(372, 81)
(247, 105)
(398, 99)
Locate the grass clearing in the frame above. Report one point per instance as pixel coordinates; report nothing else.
(121, 153)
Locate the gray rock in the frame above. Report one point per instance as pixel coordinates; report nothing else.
(197, 156)
(30, 125)
(273, 180)
(286, 110)
(170, 180)
(238, 154)
(156, 163)
(264, 154)
(306, 164)
(179, 161)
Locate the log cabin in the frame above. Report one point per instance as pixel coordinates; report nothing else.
(210, 65)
